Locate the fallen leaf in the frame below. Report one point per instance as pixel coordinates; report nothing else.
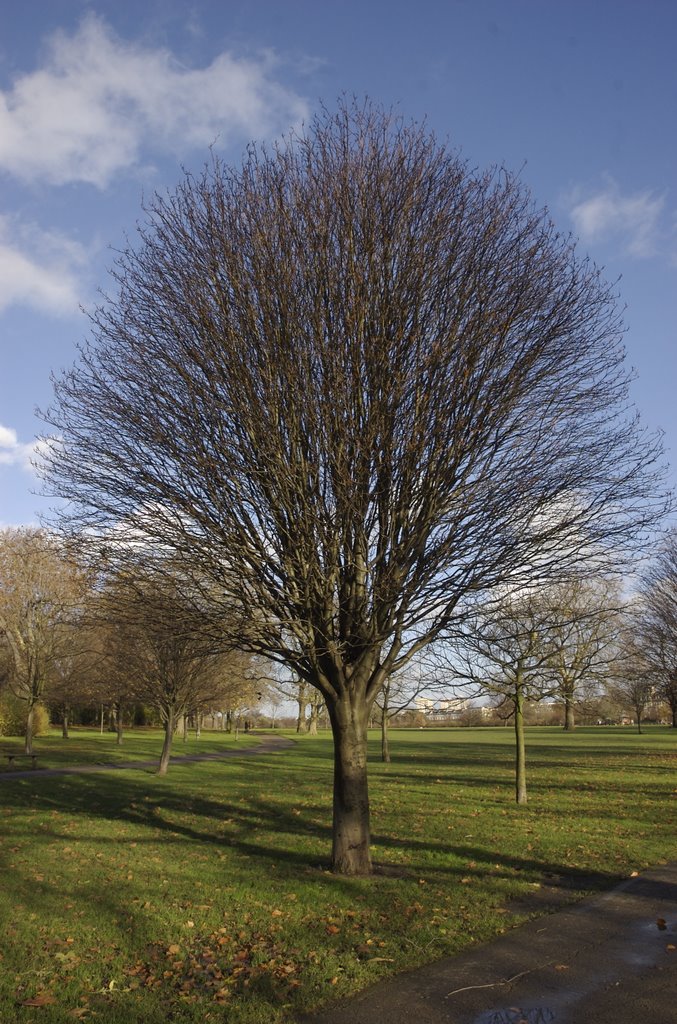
(42, 999)
(661, 924)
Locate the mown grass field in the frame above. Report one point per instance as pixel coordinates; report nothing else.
(205, 895)
(89, 746)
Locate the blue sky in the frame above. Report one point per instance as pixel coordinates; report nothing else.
(102, 102)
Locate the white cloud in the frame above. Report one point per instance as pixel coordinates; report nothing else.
(14, 453)
(39, 268)
(99, 101)
(632, 220)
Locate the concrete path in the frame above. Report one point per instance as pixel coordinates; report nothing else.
(611, 959)
(269, 745)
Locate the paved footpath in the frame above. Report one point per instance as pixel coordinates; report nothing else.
(611, 959)
(270, 745)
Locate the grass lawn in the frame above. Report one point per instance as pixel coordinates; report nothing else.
(205, 896)
(89, 746)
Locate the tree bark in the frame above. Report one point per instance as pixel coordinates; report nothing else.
(351, 832)
(385, 745)
(119, 727)
(170, 725)
(301, 701)
(28, 740)
(64, 721)
(520, 751)
(569, 712)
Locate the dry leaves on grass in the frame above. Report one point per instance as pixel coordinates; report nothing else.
(41, 999)
(218, 965)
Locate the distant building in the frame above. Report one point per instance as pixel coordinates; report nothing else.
(440, 710)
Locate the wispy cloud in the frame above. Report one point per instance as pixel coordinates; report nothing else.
(39, 268)
(635, 221)
(15, 453)
(99, 101)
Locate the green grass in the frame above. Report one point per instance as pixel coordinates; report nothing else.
(89, 746)
(205, 895)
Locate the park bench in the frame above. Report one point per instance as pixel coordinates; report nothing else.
(12, 757)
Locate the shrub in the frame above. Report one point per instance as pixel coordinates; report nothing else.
(13, 715)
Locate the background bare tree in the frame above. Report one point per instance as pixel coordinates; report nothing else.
(353, 383)
(42, 592)
(161, 651)
(505, 652)
(78, 671)
(582, 625)
(399, 693)
(631, 686)
(656, 622)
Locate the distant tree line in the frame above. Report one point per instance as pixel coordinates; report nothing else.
(110, 647)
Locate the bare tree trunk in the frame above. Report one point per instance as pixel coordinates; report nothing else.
(28, 739)
(119, 726)
(385, 745)
(520, 752)
(569, 711)
(102, 716)
(64, 721)
(314, 715)
(229, 721)
(170, 725)
(198, 724)
(301, 700)
(184, 728)
(351, 833)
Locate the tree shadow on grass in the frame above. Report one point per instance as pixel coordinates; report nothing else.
(227, 824)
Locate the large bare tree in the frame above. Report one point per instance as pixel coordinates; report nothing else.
(352, 383)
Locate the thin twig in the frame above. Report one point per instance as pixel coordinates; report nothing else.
(503, 981)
